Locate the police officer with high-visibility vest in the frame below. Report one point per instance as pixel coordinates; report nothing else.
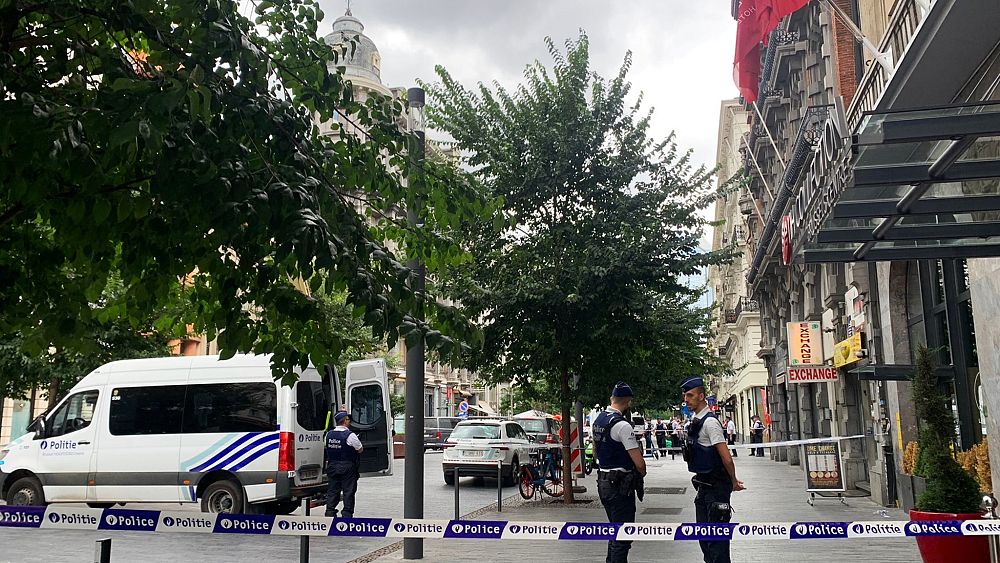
(707, 455)
(620, 467)
(343, 454)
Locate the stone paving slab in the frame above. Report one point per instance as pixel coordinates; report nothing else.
(776, 493)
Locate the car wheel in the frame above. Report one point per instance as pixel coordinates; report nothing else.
(26, 491)
(515, 468)
(223, 497)
(449, 478)
(100, 504)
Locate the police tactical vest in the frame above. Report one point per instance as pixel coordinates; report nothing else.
(701, 459)
(337, 448)
(610, 454)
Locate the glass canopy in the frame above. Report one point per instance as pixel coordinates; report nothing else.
(926, 184)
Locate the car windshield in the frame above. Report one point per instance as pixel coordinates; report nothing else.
(533, 425)
(481, 431)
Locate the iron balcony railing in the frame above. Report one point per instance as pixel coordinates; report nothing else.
(746, 305)
(903, 23)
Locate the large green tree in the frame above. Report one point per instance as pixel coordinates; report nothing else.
(589, 278)
(157, 138)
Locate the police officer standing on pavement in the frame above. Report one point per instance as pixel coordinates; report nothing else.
(620, 466)
(707, 456)
(343, 454)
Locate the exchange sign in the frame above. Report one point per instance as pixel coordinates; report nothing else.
(805, 344)
(812, 375)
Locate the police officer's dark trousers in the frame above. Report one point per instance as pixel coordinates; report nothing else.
(343, 481)
(707, 510)
(618, 497)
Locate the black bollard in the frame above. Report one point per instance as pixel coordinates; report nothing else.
(102, 553)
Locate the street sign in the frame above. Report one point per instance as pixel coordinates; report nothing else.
(463, 406)
(812, 375)
(824, 470)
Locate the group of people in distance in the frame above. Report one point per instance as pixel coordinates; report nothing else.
(662, 435)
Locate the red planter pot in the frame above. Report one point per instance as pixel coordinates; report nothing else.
(946, 549)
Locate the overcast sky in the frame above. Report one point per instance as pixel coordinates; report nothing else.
(682, 50)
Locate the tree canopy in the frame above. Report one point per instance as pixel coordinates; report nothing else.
(159, 139)
(603, 230)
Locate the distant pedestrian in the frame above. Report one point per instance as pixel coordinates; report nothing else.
(648, 435)
(731, 434)
(343, 454)
(620, 466)
(661, 436)
(757, 435)
(709, 459)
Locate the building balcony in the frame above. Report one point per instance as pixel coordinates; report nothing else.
(903, 24)
(746, 305)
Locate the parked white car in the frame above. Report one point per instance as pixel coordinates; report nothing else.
(475, 446)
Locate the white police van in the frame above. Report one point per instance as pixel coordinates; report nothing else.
(184, 429)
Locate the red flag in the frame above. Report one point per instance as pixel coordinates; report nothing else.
(756, 19)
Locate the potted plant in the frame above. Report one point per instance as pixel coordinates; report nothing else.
(951, 493)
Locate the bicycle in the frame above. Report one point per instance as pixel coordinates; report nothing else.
(541, 475)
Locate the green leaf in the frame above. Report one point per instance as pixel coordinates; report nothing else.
(102, 208)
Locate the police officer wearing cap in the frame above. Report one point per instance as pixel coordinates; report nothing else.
(343, 454)
(620, 465)
(707, 455)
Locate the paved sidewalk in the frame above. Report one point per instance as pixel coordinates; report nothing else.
(776, 493)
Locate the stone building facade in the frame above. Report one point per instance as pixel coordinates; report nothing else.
(873, 238)
(741, 390)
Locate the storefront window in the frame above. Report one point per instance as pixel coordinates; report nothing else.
(914, 310)
(938, 283)
(969, 336)
(944, 351)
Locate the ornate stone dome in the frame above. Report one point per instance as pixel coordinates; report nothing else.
(365, 62)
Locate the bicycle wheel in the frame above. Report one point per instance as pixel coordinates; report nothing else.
(553, 488)
(526, 483)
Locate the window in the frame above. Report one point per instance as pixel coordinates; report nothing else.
(534, 425)
(74, 414)
(515, 431)
(366, 405)
(484, 431)
(231, 407)
(312, 408)
(146, 410)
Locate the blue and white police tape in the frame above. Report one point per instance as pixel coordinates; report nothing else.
(69, 518)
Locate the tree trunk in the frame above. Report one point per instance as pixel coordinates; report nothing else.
(53, 394)
(567, 468)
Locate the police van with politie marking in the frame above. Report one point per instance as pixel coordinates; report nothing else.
(196, 429)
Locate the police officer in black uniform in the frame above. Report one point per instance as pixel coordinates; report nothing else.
(620, 466)
(343, 454)
(707, 454)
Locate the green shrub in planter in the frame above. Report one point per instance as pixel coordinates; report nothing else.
(950, 489)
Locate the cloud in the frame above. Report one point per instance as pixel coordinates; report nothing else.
(682, 51)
